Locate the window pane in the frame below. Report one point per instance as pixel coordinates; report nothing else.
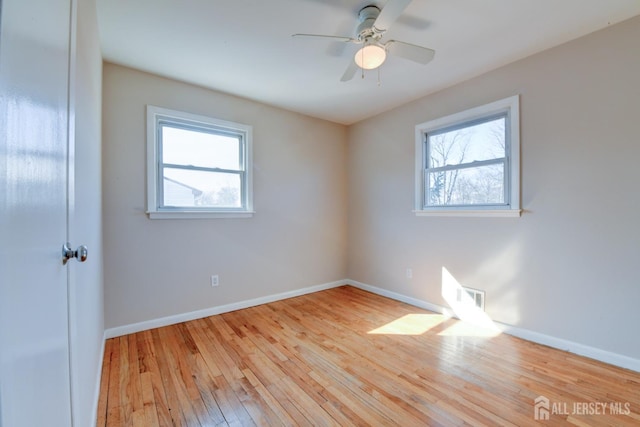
(472, 186)
(197, 148)
(483, 141)
(188, 188)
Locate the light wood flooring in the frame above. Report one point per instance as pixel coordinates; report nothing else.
(348, 357)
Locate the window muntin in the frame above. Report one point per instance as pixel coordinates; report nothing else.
(198, 166)
(468, 163)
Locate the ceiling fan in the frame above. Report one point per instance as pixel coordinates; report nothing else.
(373, 24)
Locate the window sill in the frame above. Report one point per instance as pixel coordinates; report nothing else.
(508, 213)
(199, 215)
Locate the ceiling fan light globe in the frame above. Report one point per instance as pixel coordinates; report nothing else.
(370, 57)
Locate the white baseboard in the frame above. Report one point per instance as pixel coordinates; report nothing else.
(548, 340)
(199, 314)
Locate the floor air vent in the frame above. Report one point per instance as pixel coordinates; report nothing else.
(470, 297)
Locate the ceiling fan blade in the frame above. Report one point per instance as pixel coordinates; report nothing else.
(334, 38)
(388, 15)
(412, 52)
(349, 72)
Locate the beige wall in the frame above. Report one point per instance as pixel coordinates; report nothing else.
(297, 238)
(569, 266)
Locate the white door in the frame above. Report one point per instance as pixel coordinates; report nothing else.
(34, 337)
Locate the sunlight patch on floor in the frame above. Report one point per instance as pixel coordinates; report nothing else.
(411, 324)
(464, 329)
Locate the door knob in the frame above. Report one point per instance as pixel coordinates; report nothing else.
(80, 254)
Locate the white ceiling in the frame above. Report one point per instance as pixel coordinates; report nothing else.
(245, 48)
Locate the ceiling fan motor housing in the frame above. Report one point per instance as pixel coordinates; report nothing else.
(367, 17)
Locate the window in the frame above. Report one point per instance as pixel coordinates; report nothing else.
(469, 163)
(197, 167)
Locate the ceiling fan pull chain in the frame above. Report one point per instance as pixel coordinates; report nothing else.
(379, 76)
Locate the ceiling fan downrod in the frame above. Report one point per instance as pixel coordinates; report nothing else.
(367, 17)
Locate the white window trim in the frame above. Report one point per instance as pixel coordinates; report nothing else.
(156, 113)
(510, 105)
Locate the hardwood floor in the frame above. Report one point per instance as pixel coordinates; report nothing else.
(348, 357)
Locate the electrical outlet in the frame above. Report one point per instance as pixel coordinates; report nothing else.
(409, 273)
(215, 280)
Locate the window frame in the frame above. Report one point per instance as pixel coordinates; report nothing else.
(509, 108)
(158, 117)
